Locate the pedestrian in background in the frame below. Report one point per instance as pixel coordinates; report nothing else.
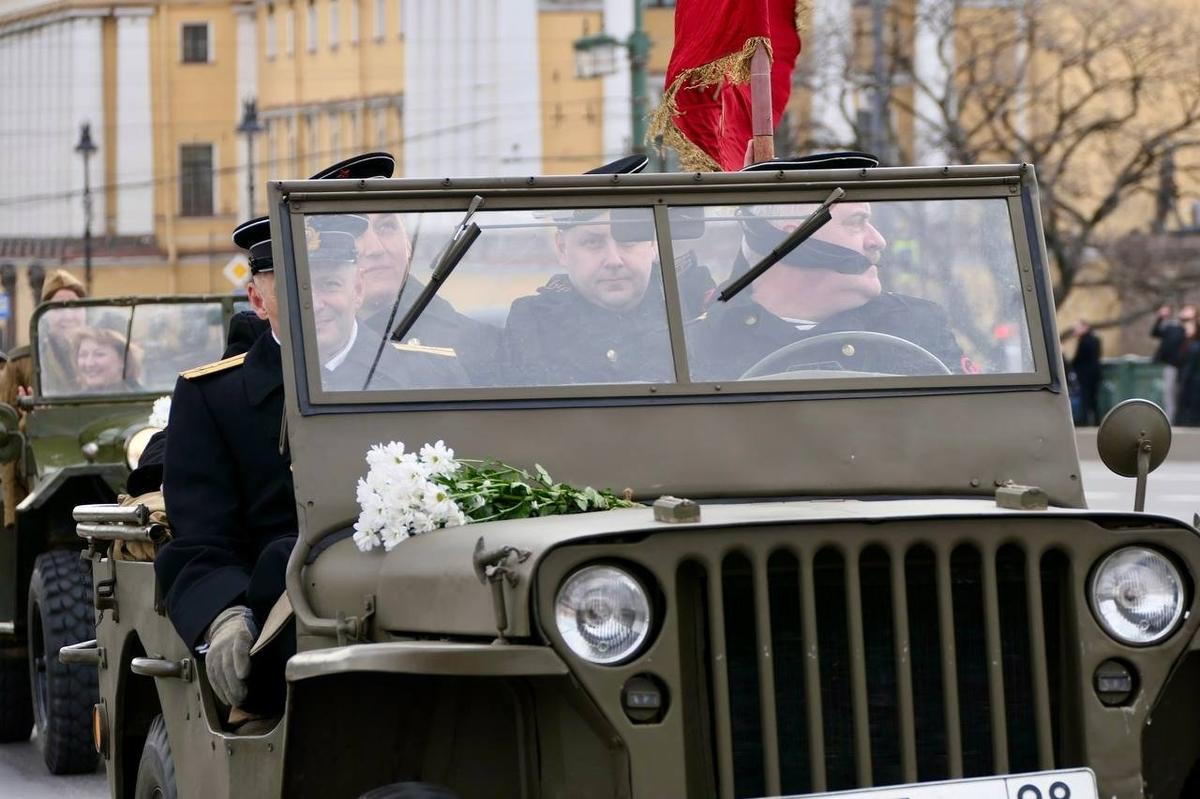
(1086, 366)
(1173, 337)
(1187, 411)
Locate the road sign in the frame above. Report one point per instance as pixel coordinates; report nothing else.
(237, 271)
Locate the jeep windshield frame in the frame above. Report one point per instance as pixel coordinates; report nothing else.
(225, 305)
(660, 194)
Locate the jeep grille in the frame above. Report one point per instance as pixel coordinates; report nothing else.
(842, 667)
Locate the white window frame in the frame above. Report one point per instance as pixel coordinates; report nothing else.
(311, 26)
(380, 128)
(380, 27)
(290, 30)
(356, 139)
(209, 43)
(335, 24)
(271, 45)
(355, 21)
(314, 136)
(335, 136)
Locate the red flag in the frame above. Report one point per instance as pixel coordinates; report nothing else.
(705, 112)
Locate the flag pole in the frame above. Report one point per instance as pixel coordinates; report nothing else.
(763, 147)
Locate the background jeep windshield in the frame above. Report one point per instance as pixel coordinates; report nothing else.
(113, 349)
(577, 296)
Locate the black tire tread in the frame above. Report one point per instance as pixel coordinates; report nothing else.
(16, 705)
(61, 587)
(156, 769)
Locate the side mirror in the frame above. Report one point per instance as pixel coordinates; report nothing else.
(1133, 440)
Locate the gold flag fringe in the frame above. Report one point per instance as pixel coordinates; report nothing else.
(735, 68)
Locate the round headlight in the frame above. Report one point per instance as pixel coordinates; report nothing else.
(1137, 595)
(136, 445)
(603, 614)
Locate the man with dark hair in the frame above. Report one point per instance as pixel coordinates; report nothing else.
(602, 320)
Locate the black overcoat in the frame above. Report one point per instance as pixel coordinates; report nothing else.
(227, 487)
(732, 337)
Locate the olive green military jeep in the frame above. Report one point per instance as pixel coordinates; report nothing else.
(85, 424)
(879, 569)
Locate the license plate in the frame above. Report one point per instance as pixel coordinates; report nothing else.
(1065, 784)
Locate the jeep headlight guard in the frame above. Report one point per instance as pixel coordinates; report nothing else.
(1137, 595)
(136, 445)
(603, 614)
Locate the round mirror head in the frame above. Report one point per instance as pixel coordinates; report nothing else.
(1123, 429)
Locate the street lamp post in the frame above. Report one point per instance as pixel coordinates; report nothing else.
(595, 56)
(86, 147)
(251, 127)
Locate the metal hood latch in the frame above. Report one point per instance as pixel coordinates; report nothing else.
(495, 566)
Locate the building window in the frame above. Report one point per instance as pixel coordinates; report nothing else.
(289, 44)
(356, 140)
(335, 24)
(312, 27)
(380, 19)
(381, 128)
(354, 22)
(272, 32)
(196, 180)
(314, 154)
(400, 19)
(195, 42)
(335, 136)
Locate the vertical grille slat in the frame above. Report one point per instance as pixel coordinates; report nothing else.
(766, 676)
(812, 676)
(858, 672)
(954, 746)
(905, 715)
(1037, 645)
(995, 663)
(720, 678)
(849, 664)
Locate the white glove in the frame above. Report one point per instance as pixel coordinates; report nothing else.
(230, 637)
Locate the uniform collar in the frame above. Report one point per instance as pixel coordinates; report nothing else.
(263, 369)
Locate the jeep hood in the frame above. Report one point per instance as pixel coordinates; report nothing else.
(427, 585)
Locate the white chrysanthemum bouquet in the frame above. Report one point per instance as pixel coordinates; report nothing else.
(160, 413)
(412, 493)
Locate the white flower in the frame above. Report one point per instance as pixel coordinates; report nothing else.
(439, 459)
(399, 496)
(160, 413)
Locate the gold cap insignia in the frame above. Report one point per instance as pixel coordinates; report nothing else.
(312, 239)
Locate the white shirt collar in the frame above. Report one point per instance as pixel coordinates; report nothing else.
(340, 356)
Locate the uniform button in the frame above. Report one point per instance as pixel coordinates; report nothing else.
(752, 319)
(847, 350)
(611, 355)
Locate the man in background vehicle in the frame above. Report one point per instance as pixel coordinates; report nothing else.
(830, 283)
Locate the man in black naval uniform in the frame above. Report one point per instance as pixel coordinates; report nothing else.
(228, 490)
(829, 284)
(603, 320)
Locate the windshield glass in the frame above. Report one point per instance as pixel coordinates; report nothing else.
(542, 298)
(112, 349)
(578, 296)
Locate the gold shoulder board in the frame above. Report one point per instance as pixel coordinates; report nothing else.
(445, 352)
(213, 368)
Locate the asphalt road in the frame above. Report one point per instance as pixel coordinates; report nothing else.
(1174, 490)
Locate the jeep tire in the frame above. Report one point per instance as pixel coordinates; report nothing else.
(61, 613)
(156, 769)
(16, 706)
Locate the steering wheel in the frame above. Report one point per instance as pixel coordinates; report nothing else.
(843, 348)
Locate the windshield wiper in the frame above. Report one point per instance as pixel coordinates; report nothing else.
(814, 222)
(460, 241)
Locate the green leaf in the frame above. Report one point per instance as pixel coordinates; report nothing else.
(543, 474)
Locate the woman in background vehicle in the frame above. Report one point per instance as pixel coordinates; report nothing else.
(100, 360)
